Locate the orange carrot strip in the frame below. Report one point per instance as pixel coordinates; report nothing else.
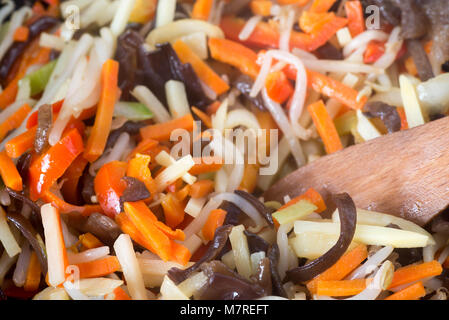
(33, 277)
(214, 221)
(356, 20)
(321, 5)
(120, 294)
(105, 110)
(410, 65)
(138, 168)
(413, 273)
(182, 194)
(374, 50)
(98, 268)
(162, 131)
(206, 164)
(341, 288)
(180, 254)
(266, 35)
(278, 87)
(202, 9)
(312, 195)
(250, 176)
(235, 54)
(21, 144)
(313, 22)
(173, 210)
(129, 228)
(325, 127)
(204, 72)
(261, 7)
(65, 207)
(401, 112)
(300, 3)
(89, 241)
(203, 117)
(413, 292)
(201, 188)
(335, 89)
(14, 121)
(21, 34)
(347, 263)
(9, 173)
(143, 147)
(161, 243)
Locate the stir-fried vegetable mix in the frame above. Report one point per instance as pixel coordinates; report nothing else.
(116, 176)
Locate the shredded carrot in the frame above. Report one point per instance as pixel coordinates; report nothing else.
(312, 195)
(250, 175)
(266, 35)
(325, 127)
(201, 188)
(65, 207)
(160, 242)
(404, 123)
(299, 3)
(89, 241)
(334, 89)
(321, 5)
(180, 253)
(14, 121)
(313, 22)
(356, 19)
(138, 167)
(202, 9)
(21, 144)
(173, 210)
(33, 277)
(212, 108)
(143, 147)
(341, 288)
(235, 54)
(261, 7)
(203, 117)
(98, 268)
(214, 221)
(162, 131)
(204, 72)
(415, 272)
(413, 292)
(21, 34)
(8, 171)
(120, 294)
(278, 87)
(129, 228)
(105, 110)
(206, 164)
(182, 194)
(347, 263)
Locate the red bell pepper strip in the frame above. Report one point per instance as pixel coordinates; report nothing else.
(51, 165)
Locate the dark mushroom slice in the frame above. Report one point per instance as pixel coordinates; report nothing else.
(256, 243)
(29, 233)
(348, 219)
(102, 227)
(421, 59)
(135, 191)
(388, 114)
(265, 212)
(225, 284)
(44, 124)
(218, 243)
(244, 84)
(273, 254)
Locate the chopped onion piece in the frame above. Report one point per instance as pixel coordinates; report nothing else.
(164, 159)
(174, 172)
(6, 262)
(249, 27)
(165, 12)
(88, 255)
(284, 248)
(194, 206)
(193, 284)
(169, 291)
(197, 41)
(365, 128)
(371, 264)
(344, 36)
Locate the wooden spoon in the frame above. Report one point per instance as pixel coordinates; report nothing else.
(405, 174)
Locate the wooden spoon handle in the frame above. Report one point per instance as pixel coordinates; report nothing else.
(405, 173)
